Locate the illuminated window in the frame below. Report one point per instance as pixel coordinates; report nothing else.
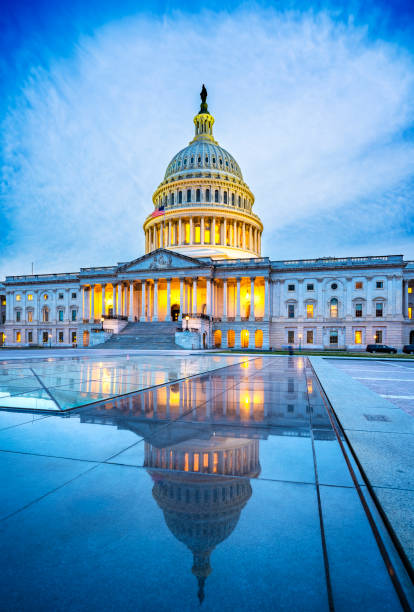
(358, 310)
(187, 233)
(333, 336)
(291, 337)
(309, 287)
(18, 297)
(291, 311)
(379, 309)
(410, 312)
(244, 337)
(334, 308)
(73, 337)
(207, 232)
(410, 289)
(359, 285)
(231, 337)
(29, 316)
(217, 232)
(18, 315)
(379, 284)
(186, 462)
(358, 336)
(215, 462)
(309, 311)
(30, 297)
(196, 462)
(205, 460)
(258, 338)
(197, 232)
(60, 336)
(217, 338)
(45, 296)
(309, 336)
(18, 336)
(378, 336)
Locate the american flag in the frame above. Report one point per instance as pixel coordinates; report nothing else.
(157, 213)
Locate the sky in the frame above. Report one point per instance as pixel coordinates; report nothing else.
(314, 100)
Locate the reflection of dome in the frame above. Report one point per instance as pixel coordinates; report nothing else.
(201, 511)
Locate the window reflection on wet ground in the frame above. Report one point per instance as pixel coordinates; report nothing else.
(232, 492)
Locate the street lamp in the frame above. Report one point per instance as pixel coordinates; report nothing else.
(50, 339)
(186, 322)
(300, 342)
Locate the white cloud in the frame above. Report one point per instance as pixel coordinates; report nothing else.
(312, 110)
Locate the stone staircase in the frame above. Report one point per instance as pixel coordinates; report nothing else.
(149, 335)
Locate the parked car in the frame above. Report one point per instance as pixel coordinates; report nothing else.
(409, 349)
(380, 348)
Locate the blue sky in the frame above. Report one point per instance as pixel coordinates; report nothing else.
(315, 102)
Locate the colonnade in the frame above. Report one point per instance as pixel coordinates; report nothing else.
(202, 230)
(162, 299)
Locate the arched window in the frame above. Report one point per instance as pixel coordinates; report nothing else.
(45, 315)
(220, 161)
(192, 160)
(180, 197)
(172, 198)
(206, 159)
(217, 338)
(231, 337)
(214, 160)
(199, 159)
(232, 198)
(207, 195)
(258, 338)
(334, 308)
(239, 201)
(216, 195)
(244, 337)
(185, 162)
(225, 197)
(188, 195)
(198, 195)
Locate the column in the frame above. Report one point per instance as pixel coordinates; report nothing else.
(113, 299)
(131, 301)
(213, 231)
(348, 288)
(180, 316)
(169, 241)
(300, 297)
(202, 230)
(119, 301)
(103, 300)
(84, 303)
(399, 296)
(208, 297)
(244, 235)
(320, 308)
(194, 309)
(155, 315)
(266, 300)
(238, 300)
(225, 232)
(168, 317)
(143, 296)
(369, 296)
(225, 299)
(250, 238)
(252, 315)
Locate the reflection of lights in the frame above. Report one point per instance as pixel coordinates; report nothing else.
(244, 365)
(300, 364)
(310, 386)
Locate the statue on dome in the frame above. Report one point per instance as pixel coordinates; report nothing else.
(203, 96)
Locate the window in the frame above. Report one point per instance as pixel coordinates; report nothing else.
(410, 312)
(18, 315)
(192, 160)
(18, 336)
(333, 336)
(290, 408)
(410, 289)
(291, 337)
(30, 316)
(199, 159)
(379, 284)
(60, 296)
(180, 197)
(291, 311)
(258, 338)
(309, 311)
(309, 287)
(216, 195)
(172, 198)
(188, 195)
(198, 195)
(73, 315)
(244, 338)
(45, 296)
(358, 336)
(73, 337)
(73, 296)
(358, 310)
(379, 309)
(60, 336)
(309, 336)
(30, 297)
(232, 198)
(60, 315)
(45, 337)
(30, 336)
(45, 315)
(207, 195)
(225, 197)
(359, 285)
(231, 336)
(214, 160)
(239, 202)
(378, 336)
(334, 286)
(291, 287)
(334, 308)
(18, 297)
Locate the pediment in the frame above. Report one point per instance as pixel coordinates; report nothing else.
(161, 259)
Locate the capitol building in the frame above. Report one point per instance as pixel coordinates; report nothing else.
(203, 281)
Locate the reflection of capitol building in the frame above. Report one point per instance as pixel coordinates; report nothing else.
(201, 511)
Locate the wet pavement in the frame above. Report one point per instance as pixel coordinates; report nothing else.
(231, 490)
